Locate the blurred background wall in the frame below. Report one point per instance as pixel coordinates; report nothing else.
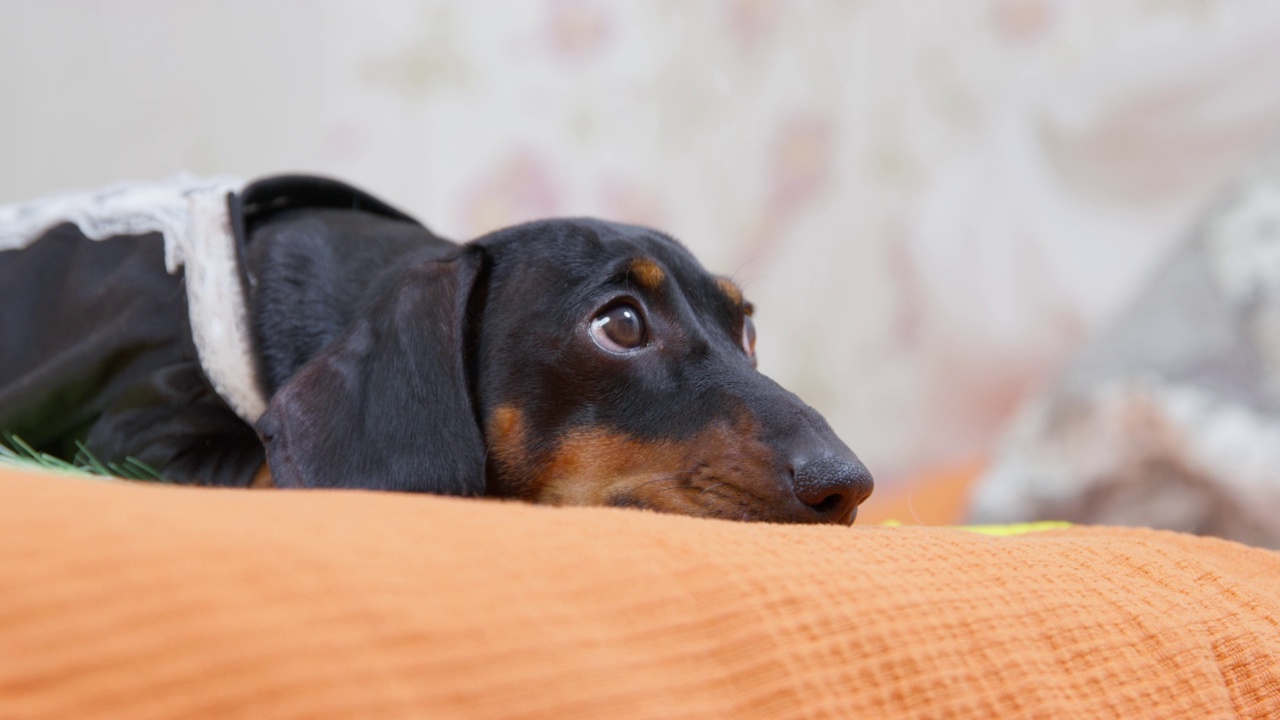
(930, 203)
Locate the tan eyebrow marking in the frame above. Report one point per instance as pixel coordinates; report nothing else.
(647, 273)
(728, 287)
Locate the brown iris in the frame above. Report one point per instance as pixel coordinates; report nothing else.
(618, 328)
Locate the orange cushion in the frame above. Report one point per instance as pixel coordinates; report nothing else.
(131, 601)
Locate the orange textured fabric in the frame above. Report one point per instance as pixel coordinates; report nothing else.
(129, 601)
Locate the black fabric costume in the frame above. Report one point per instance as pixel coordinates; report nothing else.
(96, 342)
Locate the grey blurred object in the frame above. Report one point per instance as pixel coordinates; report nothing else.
(1171, 418)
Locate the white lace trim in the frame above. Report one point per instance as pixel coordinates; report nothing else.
(191, 213)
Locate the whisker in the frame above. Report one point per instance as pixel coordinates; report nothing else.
(664, 478)
(680, 476)
(713, 485)
(729, 497)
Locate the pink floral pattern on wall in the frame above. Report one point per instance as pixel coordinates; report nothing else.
(577, 28)
(521, 188)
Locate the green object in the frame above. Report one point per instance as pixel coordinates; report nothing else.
(16, 453)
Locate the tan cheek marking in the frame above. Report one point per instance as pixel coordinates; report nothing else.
(262, 479)
(730, 290)
(595, 466)
(590, 465)
(507, 441)
(647, 273)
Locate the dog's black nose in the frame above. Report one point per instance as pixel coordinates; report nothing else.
(832, 487)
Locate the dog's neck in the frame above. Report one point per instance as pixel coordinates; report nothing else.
(313, 271)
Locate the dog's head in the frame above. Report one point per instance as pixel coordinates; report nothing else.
(571, 362)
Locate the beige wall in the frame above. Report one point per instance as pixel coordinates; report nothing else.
(931, 203)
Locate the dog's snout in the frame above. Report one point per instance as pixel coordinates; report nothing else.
(832, 487)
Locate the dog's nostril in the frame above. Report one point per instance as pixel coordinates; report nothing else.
(832, 486)
(829, 504)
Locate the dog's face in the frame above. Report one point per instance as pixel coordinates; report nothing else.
(614, 370)
(569, 362)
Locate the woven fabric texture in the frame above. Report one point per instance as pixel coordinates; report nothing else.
(132, 601)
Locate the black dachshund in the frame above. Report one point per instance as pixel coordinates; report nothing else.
(308, 335)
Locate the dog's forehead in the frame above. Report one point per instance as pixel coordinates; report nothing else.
(652, 261)
(585, 250)
(620, 242)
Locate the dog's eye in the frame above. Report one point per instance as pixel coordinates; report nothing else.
(618, 328)
(749, 337)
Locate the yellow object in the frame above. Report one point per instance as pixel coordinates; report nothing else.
(1010, 529)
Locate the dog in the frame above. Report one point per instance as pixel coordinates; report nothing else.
(297, 332)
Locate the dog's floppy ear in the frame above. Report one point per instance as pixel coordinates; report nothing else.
(387, 404)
